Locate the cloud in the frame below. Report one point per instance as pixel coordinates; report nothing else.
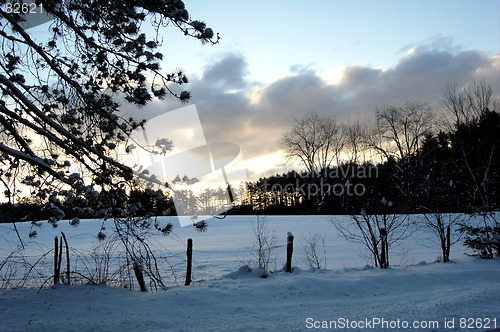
(293, 96)
(421, 75)
(228, 73)
(435, 43)
(253, 115)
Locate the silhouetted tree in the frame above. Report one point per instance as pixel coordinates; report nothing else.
(316, 143)
(398, 136)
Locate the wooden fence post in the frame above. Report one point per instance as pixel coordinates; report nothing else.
(56, 260)
(289, 252)
(189, 254)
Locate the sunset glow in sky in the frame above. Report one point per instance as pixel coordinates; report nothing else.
(280, 60)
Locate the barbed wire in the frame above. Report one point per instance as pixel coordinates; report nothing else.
(109, 261)
(91, 266)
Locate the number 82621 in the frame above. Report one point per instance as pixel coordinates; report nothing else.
(23, 8)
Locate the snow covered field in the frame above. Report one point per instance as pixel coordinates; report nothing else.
(417, 294)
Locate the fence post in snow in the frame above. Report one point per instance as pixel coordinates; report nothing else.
(56, 260)
(289, 252)
(189, 254)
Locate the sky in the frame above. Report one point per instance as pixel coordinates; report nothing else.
(278, 61)
(276, 36)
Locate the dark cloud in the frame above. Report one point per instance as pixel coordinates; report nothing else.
(357, 80)
(228, 73)
(421, 75)
(293, 96)
(422, 68)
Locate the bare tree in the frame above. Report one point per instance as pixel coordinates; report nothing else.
(397, 136)
(355, 140)
(264, 244)
(400, 130)
(467, 104)
(315, 142)
(314, 257)
(377, 230)
(446, 227)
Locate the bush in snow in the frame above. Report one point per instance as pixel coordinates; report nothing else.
(315, 251)
(485, 238)
(445, 227)
(377, 228)
(264, 244)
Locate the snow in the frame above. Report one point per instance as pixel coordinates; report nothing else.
(229, 296)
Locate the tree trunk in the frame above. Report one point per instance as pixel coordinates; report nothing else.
(140, 277)
(448, 244)
(68, 271)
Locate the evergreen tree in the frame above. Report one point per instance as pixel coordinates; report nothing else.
(60, 97)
